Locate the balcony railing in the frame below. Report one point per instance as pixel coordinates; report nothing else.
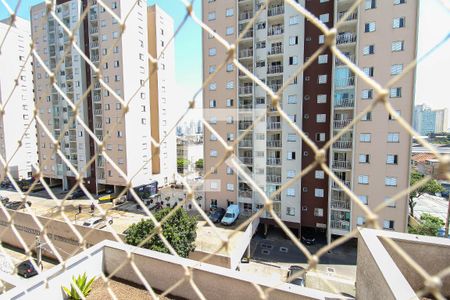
(94, 45)
(275, 50)
(351, 17)
(245, 105)
(339, 124)
(248, 34)
(246, 143)
(245, 90)
(345, 82)
(341, 164)
(340, 224)
(250, 69)
(342, 103)
(243, 125)
(273, 178)
(275, 69)
(93, 30)
(274, 125)
(272, 161)
(274, 144)
(340, 204)
(97, 112)
(245, 15)
(342, 144)
(246, 160)
(352, 58)
(275, 86)
(245, 194)
(346, 38)
(275, 30)
(275, 11)
(246, 53)
(336, 186)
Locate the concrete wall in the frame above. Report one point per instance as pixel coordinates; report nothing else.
(59, 232)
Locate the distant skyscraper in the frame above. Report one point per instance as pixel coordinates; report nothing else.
(18, 111)
(441, 120)
(427, 120)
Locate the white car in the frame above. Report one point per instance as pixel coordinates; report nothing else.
(97, 222)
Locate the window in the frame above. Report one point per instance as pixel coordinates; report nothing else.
(290, 173)
(293, 40)
(391, 204)
(318, 193)
(322, 79)
(294, 20)
(293, 60)
(114, 5)
(230, 67)
(392, 159)
(325, 18)
(323, 59)
(322, 98)
(321, 118)
(115, 35)
(230, 171)
(290, 211)
(398, 46)
(230, 187)
(290, 192)
(395, 92)
(260, 45)
(363, 179)
(291, 155)
(393, 137)
(319, 174)
(229, 30)
(388, 224)
(212, 103)
(212, 69)
(390, 181)
(211, 16)
(360, 221)
(364, 199)
(212, 51)
(394, 116)
(291, 137)
(396, 69)
(230, 137)
(370, 49)
(292, 99)
(229, 12)
(368, 71)
(318, 212)
(119, 134)
(230, 85)
(398, 22)
(213, 153)
(364, 158)
(213, 137)
(116, 64)
(397, 2)
(367, 116)
(321, 39)
(229, 102)
(369, 27)
(367, 94)
(212, 86)
(370, 4)
(214, 185)
(320, 137)
(364, 137)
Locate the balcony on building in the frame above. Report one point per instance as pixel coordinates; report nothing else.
(275, 10)
(341, 164)
(340, 204)
(248, 67)
(245, 194)
(246, 143)
(273, 178)
(273, 125)
(273, 161)
(245, 15)
(246, 160)
(344, 38)
(276, 49)
(244, 124)
(275, 69)
(246, 90)
(344, 103)
(274, 143)
(352, 17)
(246, 53)
(245, 104)
(350, 57)
(344, 83)
(339, 124)
(93, 30)
(275, 30)
(334, 185)
(275, 85)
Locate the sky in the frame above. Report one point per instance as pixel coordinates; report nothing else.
(433, 82)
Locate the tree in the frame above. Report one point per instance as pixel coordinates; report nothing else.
(199, 163)
(431, 187)
(182, 163)
(179, 230)
(429, 225)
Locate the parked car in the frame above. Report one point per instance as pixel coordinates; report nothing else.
(106, 198)
(26, 269)
(296, 275)
(4, 200)
(308, 237)
(217, 214)
(17, 205)
(97, 222)
(231, 215)
(76, 194)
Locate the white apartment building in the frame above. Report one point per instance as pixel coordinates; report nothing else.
(17, 101)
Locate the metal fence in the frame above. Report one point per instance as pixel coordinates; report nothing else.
(432, 282)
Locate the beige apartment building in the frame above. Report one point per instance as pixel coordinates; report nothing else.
(122, 61)
(321, 101)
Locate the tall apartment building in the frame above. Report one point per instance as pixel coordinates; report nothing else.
(321, 101)
(427, 120)
(162, 94)
(122, 60)
(17, 101)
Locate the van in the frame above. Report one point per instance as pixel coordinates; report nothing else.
(231, 215)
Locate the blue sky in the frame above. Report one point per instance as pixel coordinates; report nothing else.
(432, 73)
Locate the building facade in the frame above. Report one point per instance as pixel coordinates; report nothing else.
(17, 100)
(122, 60)
(321, 101)
(428, 120)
